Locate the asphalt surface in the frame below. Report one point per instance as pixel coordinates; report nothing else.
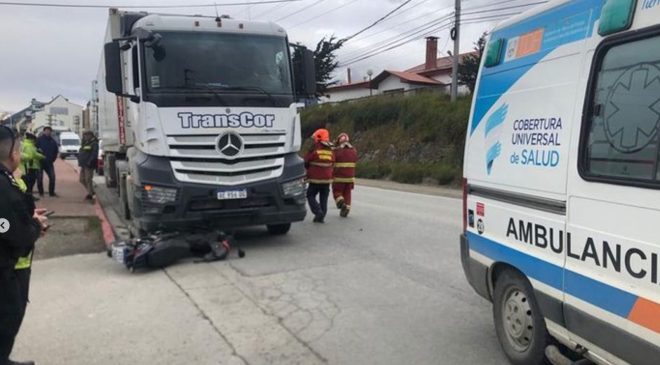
(384, 286)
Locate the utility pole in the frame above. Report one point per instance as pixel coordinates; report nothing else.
(456, 37)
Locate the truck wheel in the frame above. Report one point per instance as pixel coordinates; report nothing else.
(279, 229)
(519, 323)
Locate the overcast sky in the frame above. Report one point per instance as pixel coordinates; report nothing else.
(50, 51)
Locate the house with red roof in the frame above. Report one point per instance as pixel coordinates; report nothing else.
(434, 74)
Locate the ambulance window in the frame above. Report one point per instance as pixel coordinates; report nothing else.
(622, 140)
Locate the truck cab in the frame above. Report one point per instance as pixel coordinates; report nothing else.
(200, 121)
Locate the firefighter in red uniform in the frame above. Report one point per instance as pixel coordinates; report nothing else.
(319, 162)
(344, 177)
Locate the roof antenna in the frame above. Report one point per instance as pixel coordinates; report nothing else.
(217, 16)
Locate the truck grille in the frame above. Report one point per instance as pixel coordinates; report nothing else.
(195, 158)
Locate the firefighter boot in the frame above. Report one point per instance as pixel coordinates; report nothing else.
(340, 202)
(345, 210)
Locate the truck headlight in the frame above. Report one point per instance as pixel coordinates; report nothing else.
(159, 195)
(293, 188)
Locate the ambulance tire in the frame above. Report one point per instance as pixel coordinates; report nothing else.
(279, 229)
(519, 323)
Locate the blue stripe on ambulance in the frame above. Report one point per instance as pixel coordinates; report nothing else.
(607, 297)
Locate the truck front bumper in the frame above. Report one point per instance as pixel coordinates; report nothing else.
(475, 272)
(197, 206)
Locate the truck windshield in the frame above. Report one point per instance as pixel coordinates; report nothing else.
(221, 64)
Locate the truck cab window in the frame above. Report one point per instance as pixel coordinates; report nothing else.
(620, 140)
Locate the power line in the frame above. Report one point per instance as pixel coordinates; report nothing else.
(505, 8)
(271, 9)
(300, 11)
(379, 20)
(403, 41)
(324, 13)
(55, 5)
(402, 34)
(405, 21)
(491, 5)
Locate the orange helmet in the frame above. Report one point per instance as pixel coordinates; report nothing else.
(343, 138)
(321, 135)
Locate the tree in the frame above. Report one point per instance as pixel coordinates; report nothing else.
(468, 69)
(325, 60)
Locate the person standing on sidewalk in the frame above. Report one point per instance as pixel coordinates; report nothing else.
(30, 161)
(319, 163)
(20, 227)
(346, 157)
(48, 146)
(87, 159)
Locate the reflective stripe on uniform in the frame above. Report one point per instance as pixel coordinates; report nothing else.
(321, 164)
(324, 152)
(315, 181)
(345, 164)
(345, 180)
(24, 262)
(87, 148)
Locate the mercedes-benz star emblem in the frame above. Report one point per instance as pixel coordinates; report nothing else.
(230, 144)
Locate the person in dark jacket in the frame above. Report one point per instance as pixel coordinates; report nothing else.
(20, 227)
(48, 146)
(319, 162)
(87, 159)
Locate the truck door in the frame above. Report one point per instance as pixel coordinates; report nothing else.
(613, 254)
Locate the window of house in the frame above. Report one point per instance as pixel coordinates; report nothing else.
(620, 139)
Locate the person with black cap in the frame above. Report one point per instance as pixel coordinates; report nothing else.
(20, 227)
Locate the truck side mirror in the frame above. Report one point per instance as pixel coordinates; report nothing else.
(113, 78)
(304, 73)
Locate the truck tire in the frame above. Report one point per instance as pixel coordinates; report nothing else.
(519, 323)
(279, 229)
(123, 198)
(110, 168)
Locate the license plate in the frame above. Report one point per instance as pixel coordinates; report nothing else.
(232, 194)
(118, 254)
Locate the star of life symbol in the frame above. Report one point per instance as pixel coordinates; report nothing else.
(230, 144)
(632, 109)
(4, 225)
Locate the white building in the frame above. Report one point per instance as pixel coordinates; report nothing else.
(60, 114)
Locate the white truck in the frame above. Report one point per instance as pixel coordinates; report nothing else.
(561, 186)
(200, 121)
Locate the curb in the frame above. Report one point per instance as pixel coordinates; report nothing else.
(109, 235)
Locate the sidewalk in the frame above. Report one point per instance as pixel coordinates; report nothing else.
(77, 225)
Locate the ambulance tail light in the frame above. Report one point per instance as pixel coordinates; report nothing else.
(465, 195)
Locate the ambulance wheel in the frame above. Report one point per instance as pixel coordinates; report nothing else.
(519, 323)
(279, 229)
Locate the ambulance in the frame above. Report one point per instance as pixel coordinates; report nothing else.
(561, 197)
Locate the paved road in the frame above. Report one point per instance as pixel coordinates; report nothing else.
(382, 287)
